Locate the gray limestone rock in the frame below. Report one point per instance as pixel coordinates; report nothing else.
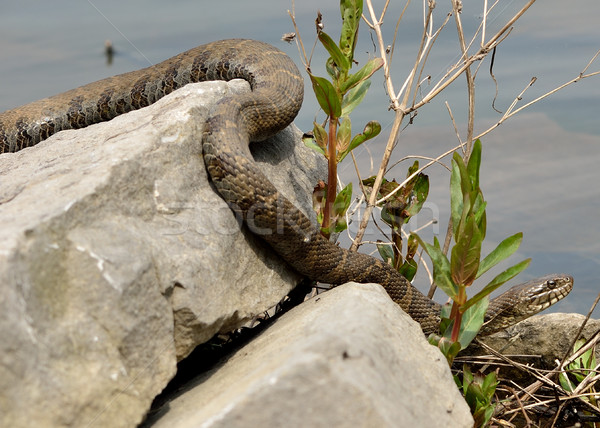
(539, 341)
(117, 258)
(349, 357)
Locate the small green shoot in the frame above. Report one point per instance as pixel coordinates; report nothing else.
(478, 391)
(578, 373)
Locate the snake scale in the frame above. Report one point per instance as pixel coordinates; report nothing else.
(275, 99)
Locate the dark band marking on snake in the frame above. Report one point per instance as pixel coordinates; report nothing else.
(275, 99)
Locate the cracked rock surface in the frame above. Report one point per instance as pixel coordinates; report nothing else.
(117, 258)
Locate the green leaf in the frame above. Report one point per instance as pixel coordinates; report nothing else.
(412, 246)
(342, 201)
(319, 141)
(565, 382)
(446, 322)
(387, 253)
(418, 195)
(351, 11)
(446, 310)
(327, 97)
(474, 395)
(336, 54)
(588, 359)
(412, 169)
(467, 378)
(504, 250)
(340, 225)
(354, 97)
(457, 381)
(479, 209)
(371, 180)
(320, 218)
(474, 164)
(448, 348)
(343, 134)
(372, 129)
(362, 74)
(312, 144)
(482, 415)
(333, 70)
(320, 135)
(441, 267)
(500, 279)
(483, 225)
(489, 384)
(408, 269)
(433, 339)
(472, 320)
(465, 182)
(390, 218)
(456, 198)
(465, 254)
(583, 366)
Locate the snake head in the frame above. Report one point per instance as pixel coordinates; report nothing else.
(524, 300)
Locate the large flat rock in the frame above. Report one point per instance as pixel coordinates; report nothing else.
(117, 258)
(349, 357)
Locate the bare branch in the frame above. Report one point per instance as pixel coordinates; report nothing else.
(393, 45)
(386, 66)
(509, 113)
(410, 177)
(299, 43)
(483, 51)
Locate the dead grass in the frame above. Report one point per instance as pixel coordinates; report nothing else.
(541, 401)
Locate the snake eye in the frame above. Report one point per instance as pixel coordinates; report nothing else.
(551, 283)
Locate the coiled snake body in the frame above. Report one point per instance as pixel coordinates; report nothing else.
(275, 99)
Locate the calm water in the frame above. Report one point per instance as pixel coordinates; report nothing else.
(540, 170)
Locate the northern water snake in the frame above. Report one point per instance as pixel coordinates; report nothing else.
(275, 99)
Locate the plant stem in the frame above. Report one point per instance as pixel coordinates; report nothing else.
(456, 314)
(456, 325)
(332, 173)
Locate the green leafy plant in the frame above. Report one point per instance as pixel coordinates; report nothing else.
(579, 371)
(478, 391)
(338, 98)
(339, 94)
(402, 203)
(462, 319)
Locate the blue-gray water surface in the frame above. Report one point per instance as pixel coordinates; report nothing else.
(540, 169)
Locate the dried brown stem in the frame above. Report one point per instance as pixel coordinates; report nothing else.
(401, 109)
